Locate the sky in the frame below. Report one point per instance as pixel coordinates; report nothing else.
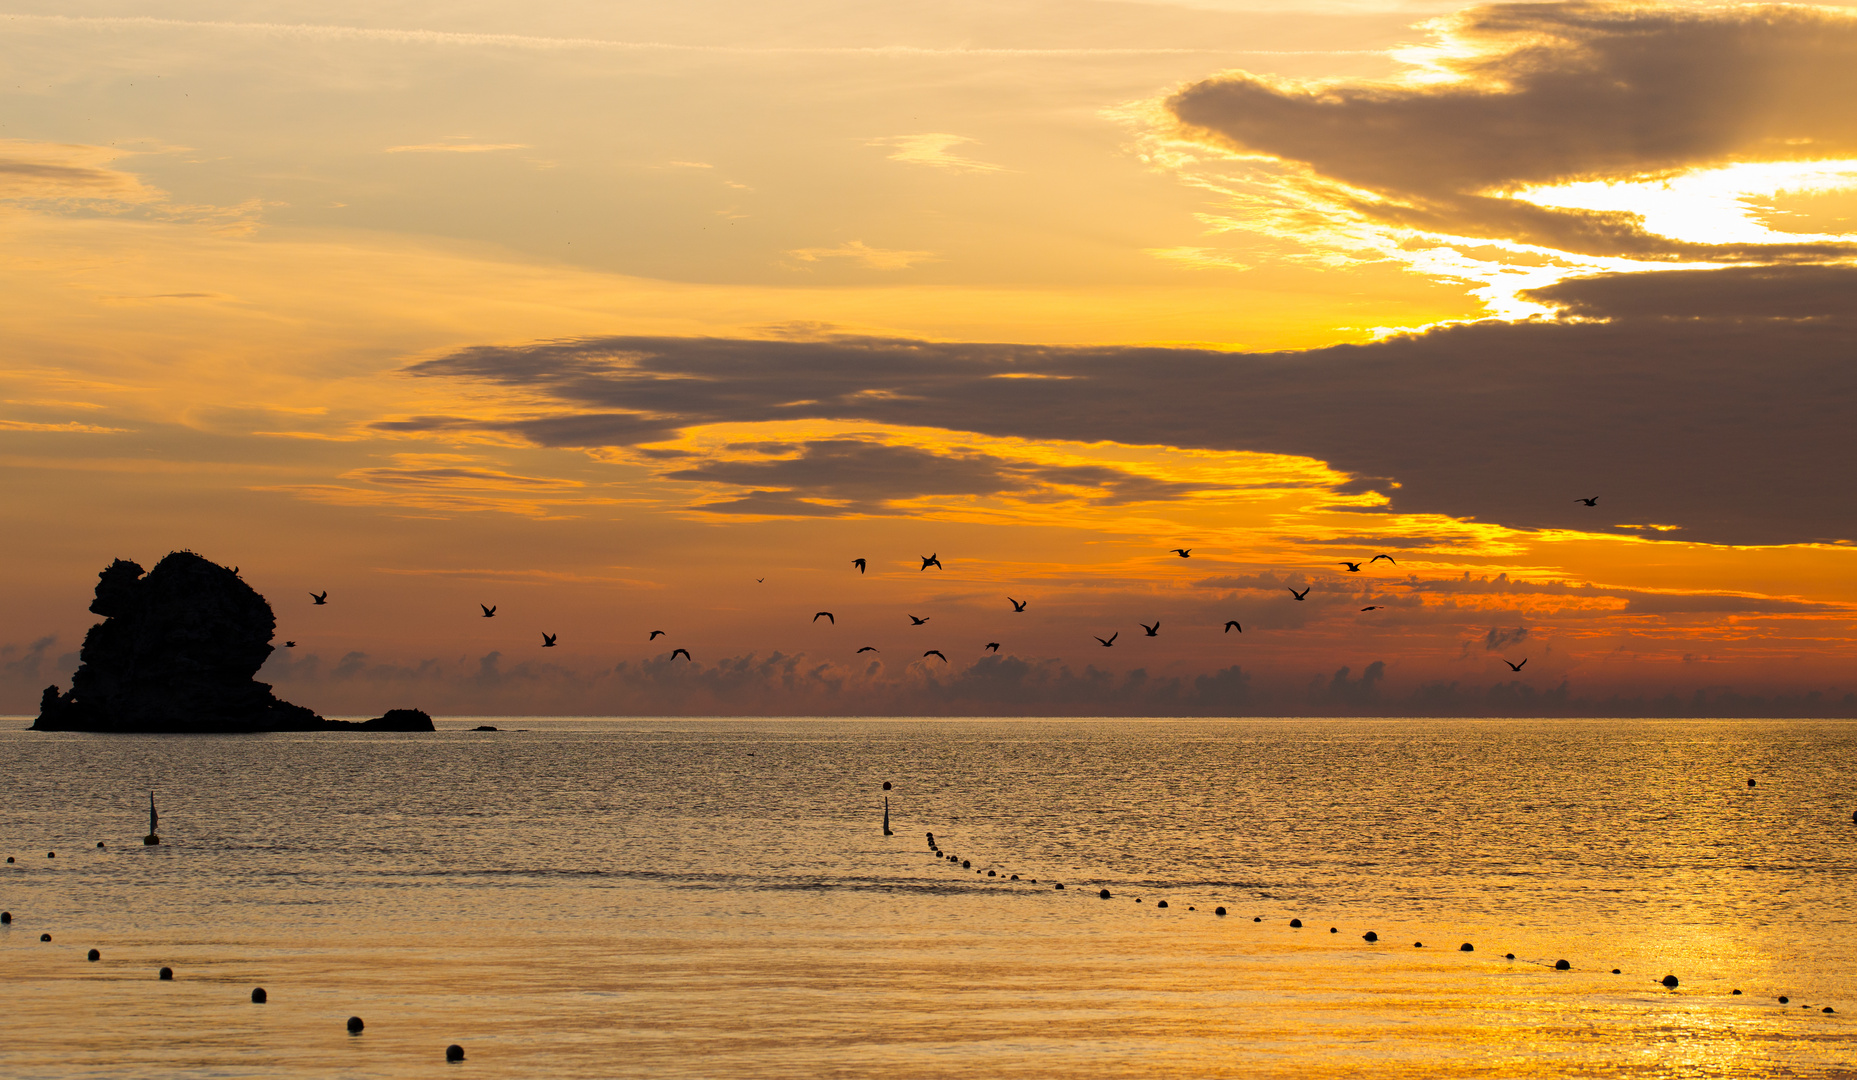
(655, 316)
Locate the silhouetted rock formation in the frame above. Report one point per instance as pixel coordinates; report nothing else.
(176, 652)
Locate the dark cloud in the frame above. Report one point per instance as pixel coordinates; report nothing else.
(1499, 638)
(1736, 431)
(1739, 293)
(865, 477)
(1556, 92)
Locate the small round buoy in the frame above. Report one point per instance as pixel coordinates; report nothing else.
(1370, 936)
(991, 874)
(1257, 918)
(51, 854)
(1137, 899)
(1190, 907)
(1332, 930)
(93, 956)
(258, 996)
(1508, 956)
(99, 843)
(1163, 903)
(1104, 894)
(1418, 944)
(1750, 781)
(1734, 993)
(1562, 965)
(45, 937)
(1297, 923)
(1015, 877)
(1784, 999)
(966, 864)
(9, 858)
(1828, 1009)
(1466, 947)
(454, 1052)
(166, 975)
(1218, 911)
(1669, 980)
(1060, 885)
(6, 918)
(355, 1025)
(886, 785)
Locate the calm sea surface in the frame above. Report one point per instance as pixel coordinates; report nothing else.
(689, 898)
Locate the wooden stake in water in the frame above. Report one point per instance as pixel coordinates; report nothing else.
(151, 839)
(886, 818)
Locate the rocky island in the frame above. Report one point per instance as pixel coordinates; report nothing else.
(176, 652)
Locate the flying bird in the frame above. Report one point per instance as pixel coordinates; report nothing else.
(1353, 567)
(934, 652)
(859, 563)
(870, 648)
(655, 635)
(1110, 640)
(1184, 553)
(928, 561)
(1232, 624)
(321, 597)
(685, 652)
(1018, 605)
(1303, 593)
(1377, 558)
(290, 644)
(827, 616)
(548, 641)
(1153, 631)
(913, 621)
(1371, 607)
(489, 610)
(992, 646)
(1594, 501)
(759, 580)
(1513, 667)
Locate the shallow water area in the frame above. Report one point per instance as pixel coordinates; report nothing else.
(691, 898)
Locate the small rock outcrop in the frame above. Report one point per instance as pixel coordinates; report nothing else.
(176, 652)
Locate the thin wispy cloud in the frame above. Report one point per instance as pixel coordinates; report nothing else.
(933, 149)
(454, 148)
(864, 255)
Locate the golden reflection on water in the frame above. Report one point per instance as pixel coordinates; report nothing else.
(652, 903)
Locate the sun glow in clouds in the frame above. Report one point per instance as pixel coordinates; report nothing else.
(1711, 206)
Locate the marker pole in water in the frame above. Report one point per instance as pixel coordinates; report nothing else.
(151, 839)
(886, 818)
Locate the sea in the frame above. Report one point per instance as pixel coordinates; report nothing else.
(590, 897)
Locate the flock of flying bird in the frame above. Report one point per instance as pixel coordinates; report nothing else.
(548, 640)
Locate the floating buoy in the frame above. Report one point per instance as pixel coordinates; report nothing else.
(991, 874)
(1137, 899)
(1508, 956)
(1370, 936)
(9, 858)
(1418, 944)
(1015, 877)
(1828, 1009)
(1163, 903)
(1060, 885)
(966, 864)
(1218, 911)
(454, 1052)
(258, 996)
(886, 785)
(1735, 993)
(1332, 930)
(93, 956)
(45, 937)
(1750, 781)
(6, 918)
(1466, 947)
(355, 1025)
(166, 974)
(1104, 894)
(1784, 999)
(99, 843)
(1669, 980)
(1257, 918)
(1562, 965)
(1297, 923)
(1615, 971)
(51, 854)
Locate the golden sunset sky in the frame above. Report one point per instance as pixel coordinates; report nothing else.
(627, 317)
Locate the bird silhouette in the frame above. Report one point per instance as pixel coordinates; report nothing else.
(759, 580)
(913, 621)
(685, 652)
(548, 641)
(827, 616)
(1513, 667)
(1232, 624)
(859, 563)
(992, 646)
(290, 644)
(1110, 640)
(1153, 631)
(1353, 567)
(1594, 501)
(1018, 605)
(1303, 593)
(930, 560)
(1184, 553)
(934, 652)
(1377, 558)
(489, 610)
(1371, 607)
(655, 635)
(870, 648)
(321, 597)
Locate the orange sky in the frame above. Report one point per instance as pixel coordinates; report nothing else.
(605, 316)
